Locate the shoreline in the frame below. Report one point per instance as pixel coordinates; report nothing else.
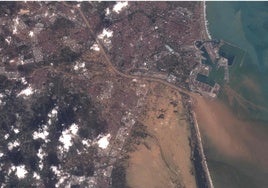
(205, 21)
(196, 135)
(203, 176)
(202, 173)
(202, 153)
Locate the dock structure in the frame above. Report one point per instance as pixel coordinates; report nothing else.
(200, 83)
(223, 62)
(212, 52)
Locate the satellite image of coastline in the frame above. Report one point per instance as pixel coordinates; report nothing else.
(133, 94)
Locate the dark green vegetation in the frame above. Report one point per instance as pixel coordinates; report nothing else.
(40, 51)
(47, 47)
(138, 134)
(8, 8)
(57, 88)
(29, 116)
(119, 175)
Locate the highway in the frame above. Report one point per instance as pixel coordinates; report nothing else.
(147, 78)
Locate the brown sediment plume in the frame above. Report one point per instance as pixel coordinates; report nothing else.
(251, 85)
(231, 136)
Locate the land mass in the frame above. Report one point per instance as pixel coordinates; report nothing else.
(98, 94)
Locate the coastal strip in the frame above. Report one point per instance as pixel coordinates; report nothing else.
(206, 23)
(202, 174)
(201, 150)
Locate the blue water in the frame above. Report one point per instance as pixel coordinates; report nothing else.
(245, 25)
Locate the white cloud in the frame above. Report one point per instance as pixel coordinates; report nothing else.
(66, 139)
(27, 92)
(6, 136)
(31, 34)
(23, 80)
(67, 135)
(15, 30)
(1, 97)
(55, 170)
(21, 171)
(8, 40)
(16, 22)
(11, 145)
(54, 112)
(41, 133)
(95, 47)
(36, 176)
(107, 11)
(86, 143)
(46, 14)
(103, 142)
(105, 34)
(41, 154)
(119, 6)
(16, 131)
(79, 65)
(74, 129)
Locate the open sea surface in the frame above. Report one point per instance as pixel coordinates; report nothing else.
(244, 25)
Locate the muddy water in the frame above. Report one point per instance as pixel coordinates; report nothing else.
(235, 127)
(236, 149)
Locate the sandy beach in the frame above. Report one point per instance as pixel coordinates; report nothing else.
(206, 23)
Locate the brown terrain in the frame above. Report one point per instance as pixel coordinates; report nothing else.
(163, 159)
(87, 78)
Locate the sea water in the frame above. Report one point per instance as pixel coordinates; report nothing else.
(245, 26)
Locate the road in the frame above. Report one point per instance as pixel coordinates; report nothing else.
(111, 65)
(147, 78)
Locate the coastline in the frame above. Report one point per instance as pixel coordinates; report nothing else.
(206, 23)
(202, 173)
(201, 150)
(203, 176)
